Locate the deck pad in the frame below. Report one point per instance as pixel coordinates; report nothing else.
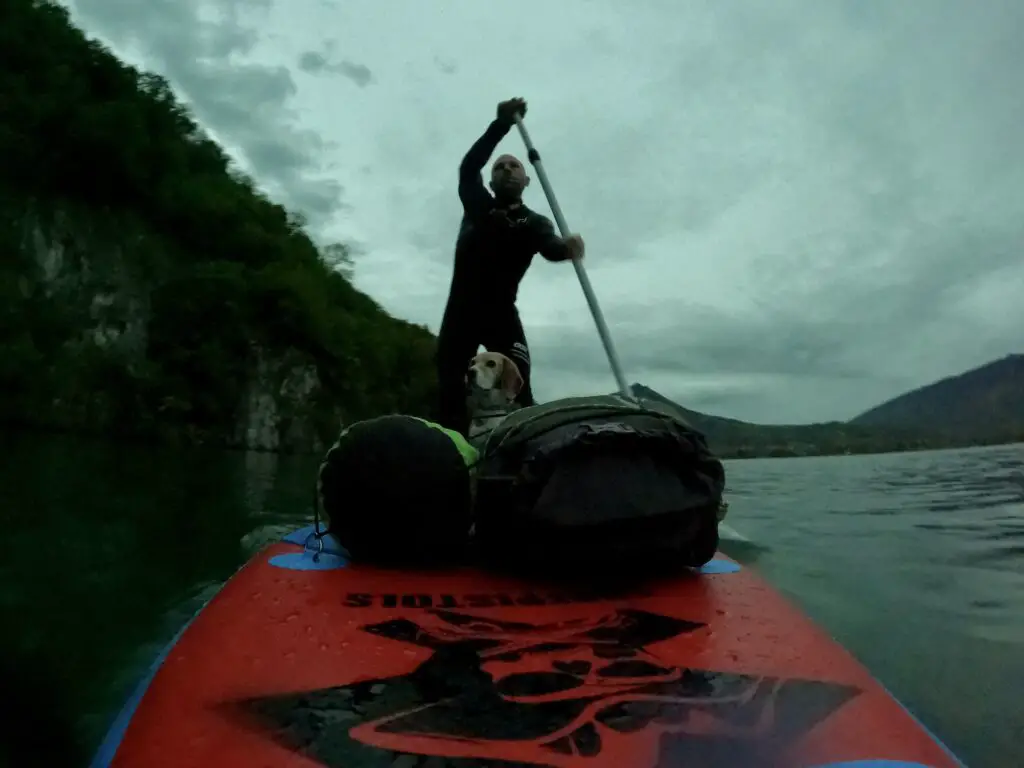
(303, 664)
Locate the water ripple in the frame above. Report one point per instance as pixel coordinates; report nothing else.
(916, 563)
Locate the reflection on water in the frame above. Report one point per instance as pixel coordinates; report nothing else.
(915, 562)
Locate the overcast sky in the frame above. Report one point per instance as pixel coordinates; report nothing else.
(792, 210)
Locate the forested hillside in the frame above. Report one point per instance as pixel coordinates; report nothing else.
(731, 438)
(988, 400)
(148, 288)
(982, 406)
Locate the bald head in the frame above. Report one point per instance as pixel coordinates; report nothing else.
(508, 178)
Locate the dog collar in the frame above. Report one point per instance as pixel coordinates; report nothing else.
(481, 414)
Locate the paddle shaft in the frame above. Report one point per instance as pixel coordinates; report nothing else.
(581, 273)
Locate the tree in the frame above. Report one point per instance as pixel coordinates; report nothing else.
(338, 257)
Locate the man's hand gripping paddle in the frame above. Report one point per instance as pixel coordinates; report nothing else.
(588, 291)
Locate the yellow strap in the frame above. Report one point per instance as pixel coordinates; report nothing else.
(470, 455)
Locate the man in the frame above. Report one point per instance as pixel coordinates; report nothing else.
(497, 241)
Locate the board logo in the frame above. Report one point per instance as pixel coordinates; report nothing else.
(471, 601)
(581, 691)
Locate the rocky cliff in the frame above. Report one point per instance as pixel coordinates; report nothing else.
(86, 363)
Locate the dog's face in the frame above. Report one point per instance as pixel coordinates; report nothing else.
(492, 380)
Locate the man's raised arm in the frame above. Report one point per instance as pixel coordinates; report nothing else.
(473, 163)
(472, 192)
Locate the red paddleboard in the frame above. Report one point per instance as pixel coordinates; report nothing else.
(298, 663)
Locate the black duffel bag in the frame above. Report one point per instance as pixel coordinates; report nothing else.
(596, 485)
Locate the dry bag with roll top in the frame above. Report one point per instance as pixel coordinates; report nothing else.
(588, 485)
(396, 490)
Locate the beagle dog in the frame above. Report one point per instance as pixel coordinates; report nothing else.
(492, 383)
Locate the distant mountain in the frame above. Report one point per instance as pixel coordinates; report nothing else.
(981, 403)
(734, 438)
(702, 421)
(984, 405)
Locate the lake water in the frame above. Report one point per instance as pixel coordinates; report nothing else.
(915, 562)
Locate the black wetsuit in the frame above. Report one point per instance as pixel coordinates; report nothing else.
(494, 249)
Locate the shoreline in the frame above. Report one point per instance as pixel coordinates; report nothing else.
(741, 453)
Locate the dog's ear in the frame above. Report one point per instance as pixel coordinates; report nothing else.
(511, 379)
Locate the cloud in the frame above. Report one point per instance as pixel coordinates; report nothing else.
(446, 66)
(316, 63)
(205, 48)
(792, 210)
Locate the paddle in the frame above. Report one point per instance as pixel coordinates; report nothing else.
(613, 359)
(588, 291)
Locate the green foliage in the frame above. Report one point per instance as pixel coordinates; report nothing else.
(199, 336)
(227, 276)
